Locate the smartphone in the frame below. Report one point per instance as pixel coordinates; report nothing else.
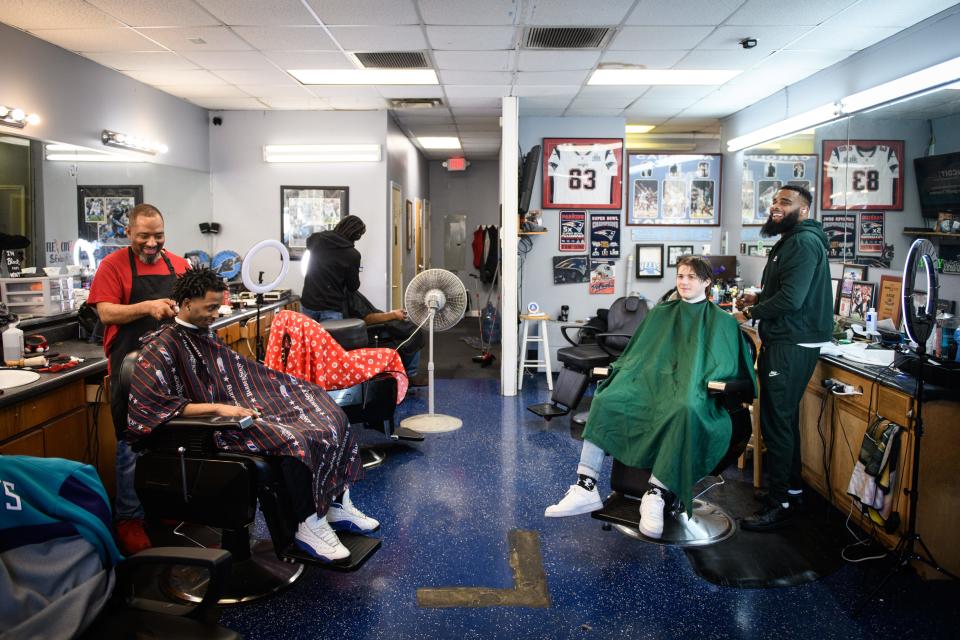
(245, 422)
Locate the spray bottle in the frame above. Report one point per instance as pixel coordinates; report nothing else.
(12, 343)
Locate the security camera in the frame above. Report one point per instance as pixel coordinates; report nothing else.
(748, 43)
(217, 120)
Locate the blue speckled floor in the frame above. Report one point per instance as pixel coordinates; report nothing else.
(447, 504)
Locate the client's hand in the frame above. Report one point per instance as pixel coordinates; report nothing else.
(746, 299)
(233, 411)
(399, 314)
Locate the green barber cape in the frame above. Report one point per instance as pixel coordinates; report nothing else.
(653, 412)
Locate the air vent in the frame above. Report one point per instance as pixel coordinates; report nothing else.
(393, 60)
(566, 37)
(415, 103)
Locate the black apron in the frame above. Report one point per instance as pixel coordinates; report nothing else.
(128, 335)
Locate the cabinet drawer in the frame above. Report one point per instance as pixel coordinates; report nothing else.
(50, 405)
(9, 421)
(230, 333)
(29, 445)
(891, 404)
(66, 437)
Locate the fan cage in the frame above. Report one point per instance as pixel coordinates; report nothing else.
(452, 289)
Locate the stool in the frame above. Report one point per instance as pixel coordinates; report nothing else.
(524, 363)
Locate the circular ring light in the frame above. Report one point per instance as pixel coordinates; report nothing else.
(920, 325)
(247, 261)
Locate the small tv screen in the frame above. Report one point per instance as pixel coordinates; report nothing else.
(528, 177)
(724, 267)
(938, 183)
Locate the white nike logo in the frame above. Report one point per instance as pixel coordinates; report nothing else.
(773, 373)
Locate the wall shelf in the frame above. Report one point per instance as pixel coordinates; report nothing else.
(937, 235)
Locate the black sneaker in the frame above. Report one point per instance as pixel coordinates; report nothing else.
(772, 516)
(795, 499)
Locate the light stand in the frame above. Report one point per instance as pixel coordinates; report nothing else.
(258, 353)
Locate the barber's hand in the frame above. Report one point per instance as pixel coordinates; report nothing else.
(233, 411)
(746, 299)
(739, 317)
(399, 314)
(160, 309)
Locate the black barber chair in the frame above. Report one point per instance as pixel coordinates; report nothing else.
(708, 523)
(182, 476)
(595, 346)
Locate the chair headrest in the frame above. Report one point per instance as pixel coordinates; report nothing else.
(632, 304)
(127, 367)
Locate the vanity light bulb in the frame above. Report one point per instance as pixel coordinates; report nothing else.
(18, 115)
(33, 119)
(162, 148)
(119, 137)
(3, 111)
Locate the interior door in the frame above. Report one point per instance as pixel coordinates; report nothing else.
(396, 246)
(418, 239)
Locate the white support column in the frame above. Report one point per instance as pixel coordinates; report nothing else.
(510, 202)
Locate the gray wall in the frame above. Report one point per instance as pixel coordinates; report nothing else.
(407, 167)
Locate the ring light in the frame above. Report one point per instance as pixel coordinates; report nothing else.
(920, 325)
(247, 261)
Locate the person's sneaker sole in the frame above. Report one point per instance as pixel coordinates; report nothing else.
(310, 550)
(350, 527)
(650, 534)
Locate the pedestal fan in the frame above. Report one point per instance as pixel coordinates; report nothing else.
(438, 297)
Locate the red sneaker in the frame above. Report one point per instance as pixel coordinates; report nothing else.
(131, 536)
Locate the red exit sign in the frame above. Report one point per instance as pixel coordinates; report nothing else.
(456, 164)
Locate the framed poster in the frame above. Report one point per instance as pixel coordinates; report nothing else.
(572, 231)
(841, 230)
(862, 299)
(103, 214)
(649, 260)
(866, 175)
(870, 233)
(674, 189)
(571, 269)
(307, 210)
(674, 251)
(763, 175)
(409, 226)
(835, 288)
(888, 304)
(602, 276)
(582, 172)
(605, 235)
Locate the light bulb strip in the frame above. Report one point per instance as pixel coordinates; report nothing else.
(17, 117)
(131, 143)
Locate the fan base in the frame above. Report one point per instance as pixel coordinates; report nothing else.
(432, 423)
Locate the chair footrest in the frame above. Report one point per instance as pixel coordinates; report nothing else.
(361, 548)
(548, 410)
(620, 509)
(403, 433)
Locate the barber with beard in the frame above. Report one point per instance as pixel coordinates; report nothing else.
(795, 313)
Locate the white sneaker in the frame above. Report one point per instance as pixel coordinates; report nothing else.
(576, 501)
(343, 516)
(651, 513)
(317, 538)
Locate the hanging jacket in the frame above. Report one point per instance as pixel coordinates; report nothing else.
(492, 246)
(477, 245)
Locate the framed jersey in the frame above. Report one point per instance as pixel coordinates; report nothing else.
(674, 189)
(864, 175)
(582, 173)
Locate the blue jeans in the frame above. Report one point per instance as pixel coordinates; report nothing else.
(321, 315)
(591, 460)
(128, 505)
(411, 364)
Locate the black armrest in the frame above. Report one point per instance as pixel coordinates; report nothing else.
(602, 342)
(580, 327)
(192, 433)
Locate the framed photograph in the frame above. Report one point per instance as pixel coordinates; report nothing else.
(759, 251)
(865, 175)
(103, 214)
(862, 299)
(763, 175)
(950, 258)
(649, 260)
(603, 276)
(835, 285)
(674, 189)
(573, 226)
(853, 271)
(604, 235)
(841, 230)
(674, 251)
(308, 210)
(888, 303)
(409, 226)
(582, 173)
(948, 222)
(571, 269)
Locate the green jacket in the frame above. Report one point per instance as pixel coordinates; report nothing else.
(796, 303)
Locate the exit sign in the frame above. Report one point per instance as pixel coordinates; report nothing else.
(456, 164)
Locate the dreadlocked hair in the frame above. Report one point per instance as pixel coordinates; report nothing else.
(351, 228)
(195, 283)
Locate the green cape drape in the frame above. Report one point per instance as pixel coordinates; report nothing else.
(653, 411)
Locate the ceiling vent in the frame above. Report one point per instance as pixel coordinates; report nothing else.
(393, 60)
(415, 103)
(566, 37)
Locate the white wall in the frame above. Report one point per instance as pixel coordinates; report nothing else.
(77, 98)
(246, 190)
(407, 167)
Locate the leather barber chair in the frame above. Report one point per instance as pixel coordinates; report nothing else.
(708, 523)
(593, 348)
(182, 476)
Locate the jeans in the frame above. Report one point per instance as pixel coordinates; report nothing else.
(411, 364)
(591, 459)
(128, 505)
(321, 315)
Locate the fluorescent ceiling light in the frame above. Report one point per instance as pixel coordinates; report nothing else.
(911, 83)
(646, 145)
(448, 142)
(662, 76)
(321, 153)
(805, 120)
(639, 128)
(955, 86)
(58, 152)
(365, 76)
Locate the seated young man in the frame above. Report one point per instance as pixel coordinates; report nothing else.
(653, 411)
(184, 370)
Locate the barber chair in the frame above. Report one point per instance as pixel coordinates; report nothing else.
(373, 402)
(708, 523)
(182, 476)
(593, 348)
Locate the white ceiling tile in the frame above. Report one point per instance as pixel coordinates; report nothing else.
(890, 13)
(310, 59)
(789, 60)
(379, 38)
(339, 91)
(275, 91)
(722, 59)
(566, 91)
(555, 102)
(663, 59)
(768, 39)
(593, 113)
(576, 13)
(798, 12)
(413, 117)
(712, 109)
(84, 40)
(470, 12)
(474, 60)
(467, 110)
(297, 104)
(182, 38)
(540, 112)
(459, 104)
(678, 91)
(169, 13)
(174, 77)
(287, 38)
(479, 124)
(190, 91)
(601, 103)
(141, 60)
(410, 91)
(357, 104)
(472, 38)
(600, 92)
(366, 12)
(475, 77)
(844, 38)
(229, 104)
(660, 106)
(531, 60)
(479, 91)
(55, 14)
(215, 60)
(687, 12)
(256, 76)
(683, 124)
(659, 38)
(434, 129)
(551, 77)
(259, 12)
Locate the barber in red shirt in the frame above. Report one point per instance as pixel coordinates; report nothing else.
(131, 291)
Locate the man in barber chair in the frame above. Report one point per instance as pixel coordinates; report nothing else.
(653, 411)
(390, 329)
(184, 370)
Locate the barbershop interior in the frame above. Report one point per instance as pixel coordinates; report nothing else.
(479, 319)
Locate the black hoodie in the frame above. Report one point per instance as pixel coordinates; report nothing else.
(334, 270)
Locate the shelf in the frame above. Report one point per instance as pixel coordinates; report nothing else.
(532, 233)
(926, 233)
